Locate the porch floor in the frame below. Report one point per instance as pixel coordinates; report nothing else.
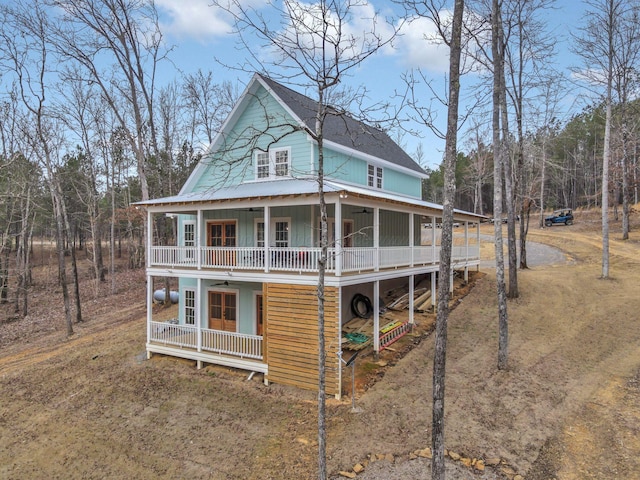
(207, 357)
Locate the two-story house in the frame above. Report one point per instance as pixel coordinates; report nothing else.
(248, 244)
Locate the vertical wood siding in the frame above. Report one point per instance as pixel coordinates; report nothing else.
(291, 313)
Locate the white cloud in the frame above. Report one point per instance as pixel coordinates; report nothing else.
(193, 18)
(419, 46)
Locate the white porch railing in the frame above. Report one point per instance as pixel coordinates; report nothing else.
(227, 343)
(174, 334)
(305, 259)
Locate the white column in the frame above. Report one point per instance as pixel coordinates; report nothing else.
(411, 236)
(376, 238)
(433, 240)
(466, 240)
(478, 243)
(376, 317)
(466, 253)
(149, 238)
(450, 279)
(434, 291)
(337, 228)
(149, 309)
(267, 237)
(199, 234)
(199, 305)
(411, 305)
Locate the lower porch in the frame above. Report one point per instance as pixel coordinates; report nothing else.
(229, 349)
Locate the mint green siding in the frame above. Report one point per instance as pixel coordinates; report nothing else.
(346, 168)
(245, 295)
(398, 182)
(234, 163)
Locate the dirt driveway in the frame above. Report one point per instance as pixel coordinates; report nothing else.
(567, 407)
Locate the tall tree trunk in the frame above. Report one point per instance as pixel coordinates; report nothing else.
(499, 154)
(625, 175)
(62, 272)
(439, 360)
(324, 242)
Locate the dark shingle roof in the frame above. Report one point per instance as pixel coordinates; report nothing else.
(344, 129)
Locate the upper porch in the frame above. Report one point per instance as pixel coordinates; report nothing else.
(241, 230)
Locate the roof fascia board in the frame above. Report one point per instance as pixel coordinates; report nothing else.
(282, 103)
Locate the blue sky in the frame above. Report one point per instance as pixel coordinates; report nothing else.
(201, 33)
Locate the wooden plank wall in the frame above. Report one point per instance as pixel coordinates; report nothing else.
(291, 323)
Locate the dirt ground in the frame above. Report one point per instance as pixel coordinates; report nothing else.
(568, 406)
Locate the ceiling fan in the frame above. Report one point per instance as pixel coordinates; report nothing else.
(364, 210)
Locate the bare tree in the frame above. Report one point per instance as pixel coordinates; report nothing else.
(439, 361)
(27, 55)
(310, 46)
(209, 102)
(606, 24)
(478, 173)
(499, 158)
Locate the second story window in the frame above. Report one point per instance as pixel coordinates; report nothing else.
(374, 176)
(273, 164)
(189, 238)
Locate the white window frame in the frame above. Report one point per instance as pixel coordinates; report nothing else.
(275, 163)
(260, 158)
(374, 176)
(186, 307)
(272, 241)
(192, 241)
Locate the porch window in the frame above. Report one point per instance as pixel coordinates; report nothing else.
(282, 234)
(189, 307)
(273, 164)
(189, 237)
(374, 176)
(279, 233)
(260, 234)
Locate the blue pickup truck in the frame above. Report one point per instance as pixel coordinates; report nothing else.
(562, 217)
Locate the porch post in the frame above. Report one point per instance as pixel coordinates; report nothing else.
(411, 290)
(451, 279)
(376, 317)
(337, 229)
(199, 236)
(433, 240)
(434, 294)
(148, 255)
(199, 317)
(478, 244)
(376, 239)
(411, 236)
(267, 237)
(466, 243)
(466, 239)
(149, 310)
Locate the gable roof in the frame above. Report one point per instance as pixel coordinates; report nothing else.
(342, 129)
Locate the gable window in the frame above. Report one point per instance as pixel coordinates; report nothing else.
(374, 176)
(273, 164)
(262, 164)
(189, 306)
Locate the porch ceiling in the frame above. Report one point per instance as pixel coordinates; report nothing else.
(247, 194)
